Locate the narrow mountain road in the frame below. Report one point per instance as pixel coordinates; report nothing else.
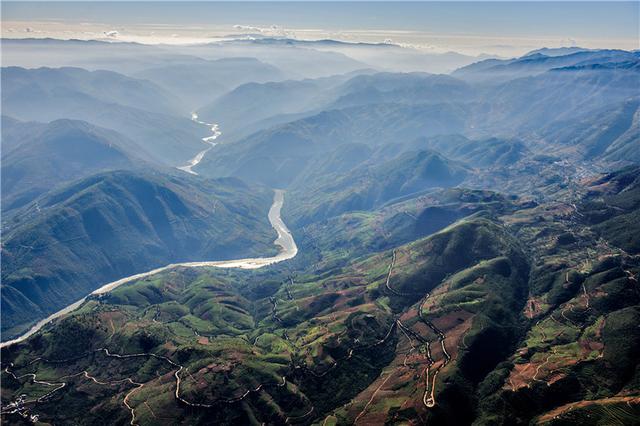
(366, 407)
(429, 399)
(60, 383)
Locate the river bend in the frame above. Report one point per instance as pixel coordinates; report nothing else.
(288, 250)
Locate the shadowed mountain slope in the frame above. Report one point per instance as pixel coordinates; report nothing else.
(116, 224)
(37, 157)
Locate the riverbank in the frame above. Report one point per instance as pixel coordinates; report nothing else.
(288, 250)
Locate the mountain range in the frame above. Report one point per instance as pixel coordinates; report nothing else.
(113, 224)
(466, 244)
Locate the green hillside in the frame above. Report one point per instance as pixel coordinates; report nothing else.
(112, 225)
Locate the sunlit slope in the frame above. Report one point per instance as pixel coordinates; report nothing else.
(315, 344)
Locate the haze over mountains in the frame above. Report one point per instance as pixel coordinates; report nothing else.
(37, 156)
(466, 229)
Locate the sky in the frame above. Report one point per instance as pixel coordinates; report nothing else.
(469, 27)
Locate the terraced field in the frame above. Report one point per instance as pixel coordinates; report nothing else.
(411, 333)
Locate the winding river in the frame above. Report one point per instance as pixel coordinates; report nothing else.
(288, 250)
(209, 140)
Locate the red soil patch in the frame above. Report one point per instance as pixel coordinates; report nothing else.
(398, 380)
(589, 346)
(557, 412)
(410, 314)
(422, 329)
(555, 377)
(169, 346)
(451, 320)
(521, 376)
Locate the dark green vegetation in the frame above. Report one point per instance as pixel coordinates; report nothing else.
(67, 243)
(368, 187)
(613, 209)
(468, 246)
(232, 332)
(511, 309)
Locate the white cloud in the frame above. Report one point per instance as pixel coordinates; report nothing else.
(271, 30)
(247, 28)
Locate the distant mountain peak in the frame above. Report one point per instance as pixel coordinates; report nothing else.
(556, 51)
